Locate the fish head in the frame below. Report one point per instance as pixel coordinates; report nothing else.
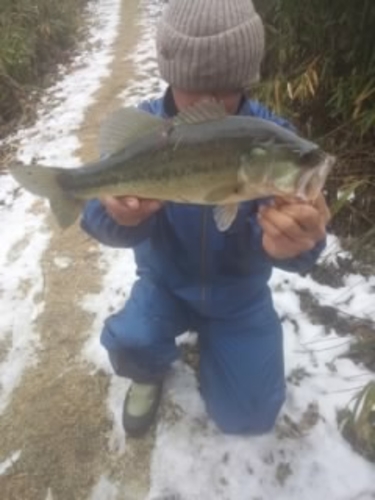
(315, 166)
(286, 171)
(270, 170)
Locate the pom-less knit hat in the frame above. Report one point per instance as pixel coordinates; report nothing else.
(210, 45)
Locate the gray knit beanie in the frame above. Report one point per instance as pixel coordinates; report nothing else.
(210, 45)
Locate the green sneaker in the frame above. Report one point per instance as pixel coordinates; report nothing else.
(140, 407)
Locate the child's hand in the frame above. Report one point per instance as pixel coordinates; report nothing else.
(129, 211)
(290, 229)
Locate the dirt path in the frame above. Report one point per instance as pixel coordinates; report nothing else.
(58, 416)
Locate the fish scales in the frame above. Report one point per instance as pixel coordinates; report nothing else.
(171, 163)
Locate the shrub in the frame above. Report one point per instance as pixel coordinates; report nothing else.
(319, 70)
(33, 35)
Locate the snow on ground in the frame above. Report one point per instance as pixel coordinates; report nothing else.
(9, 462)
(23, 241)
(52, 140)
(119, 273)
(104, 490)
(146, 82)
(191, 459)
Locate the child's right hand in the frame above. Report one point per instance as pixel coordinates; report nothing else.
(130, 211)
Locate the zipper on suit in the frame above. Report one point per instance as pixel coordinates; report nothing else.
(204, 257)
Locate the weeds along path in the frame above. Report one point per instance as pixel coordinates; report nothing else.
(58, 417)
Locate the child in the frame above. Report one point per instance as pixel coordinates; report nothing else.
(191, 276)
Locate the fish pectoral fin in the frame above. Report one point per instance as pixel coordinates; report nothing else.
(203, 111)
(225, 215)
(125, 126)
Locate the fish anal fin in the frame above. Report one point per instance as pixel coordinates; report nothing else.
(225, 215)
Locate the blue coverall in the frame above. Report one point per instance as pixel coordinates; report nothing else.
(192, 277)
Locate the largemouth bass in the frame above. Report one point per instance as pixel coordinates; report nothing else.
(202, 156)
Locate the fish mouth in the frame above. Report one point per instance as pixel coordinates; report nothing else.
(316, 165)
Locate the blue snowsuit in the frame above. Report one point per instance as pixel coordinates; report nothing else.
(193, 277)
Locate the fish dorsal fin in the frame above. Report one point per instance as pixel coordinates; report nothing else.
(203, 111)
(125, 126)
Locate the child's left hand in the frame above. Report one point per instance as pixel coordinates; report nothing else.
(290, 229)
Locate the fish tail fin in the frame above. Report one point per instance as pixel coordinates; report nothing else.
(43, 181)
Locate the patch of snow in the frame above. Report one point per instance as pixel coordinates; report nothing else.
(49, 494)
(104, 490)
(9, 462)
(192, 459)
(354, 298)
(24, 240)
(333, 250)
(146, 82)
(25, 236)
(118, 268)
(115, 402)
(62, 262)
(188, 338)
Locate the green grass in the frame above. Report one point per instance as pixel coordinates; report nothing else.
(34, 34)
